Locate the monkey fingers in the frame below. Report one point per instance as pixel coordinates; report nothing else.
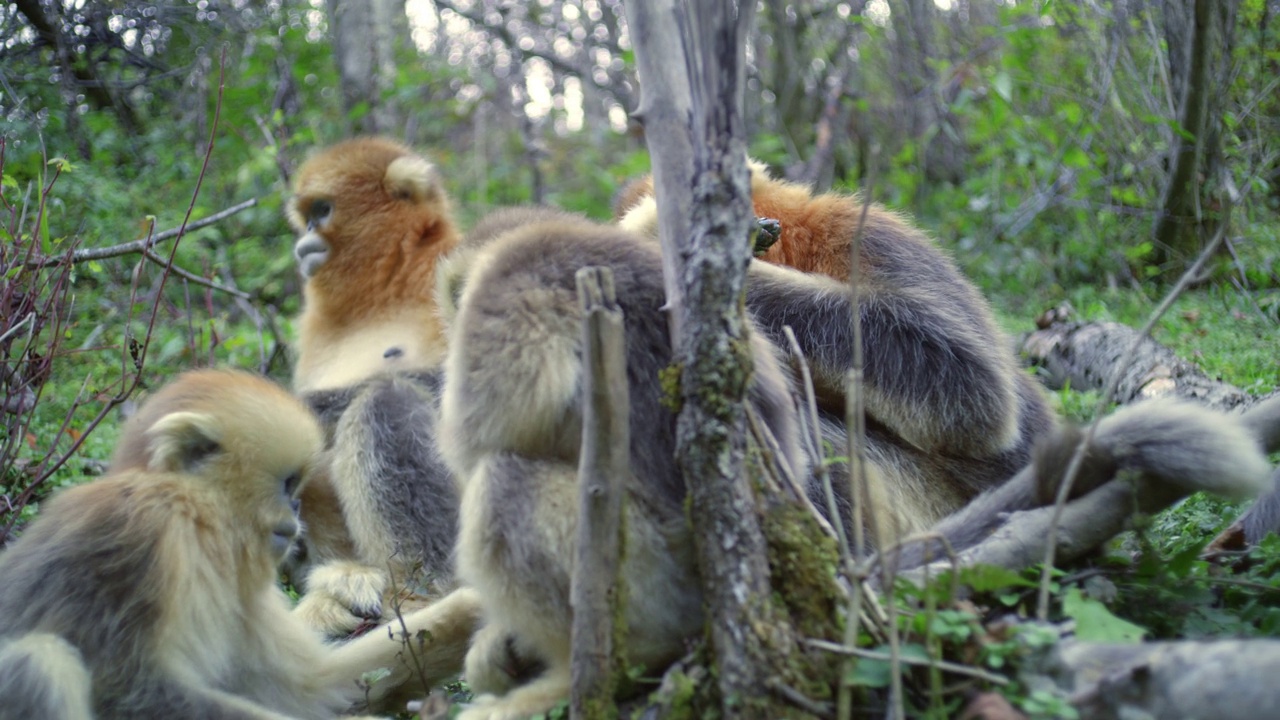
(341, 596)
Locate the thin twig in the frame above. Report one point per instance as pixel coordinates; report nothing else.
(188, 275)
(799, 699)
(47, 470)
(814, 444)
(951, 667)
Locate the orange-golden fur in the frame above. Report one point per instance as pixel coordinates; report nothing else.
(155, 585)
(816, 230)
(372, 219)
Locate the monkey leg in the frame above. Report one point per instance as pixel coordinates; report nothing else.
(43, 676)
(396, 499)
(495, 664)
(539, 696)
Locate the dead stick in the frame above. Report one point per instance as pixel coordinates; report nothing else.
(596, 594)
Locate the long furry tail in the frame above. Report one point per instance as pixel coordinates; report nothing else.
(1173, 441)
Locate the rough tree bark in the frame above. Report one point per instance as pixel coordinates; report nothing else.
(1084, 355)
(690, 61)
(595, 595)
(1223, 679)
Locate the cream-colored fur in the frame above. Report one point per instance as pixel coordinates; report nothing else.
(161, 575)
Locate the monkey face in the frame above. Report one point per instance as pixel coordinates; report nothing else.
(272, 475)
(361, 197)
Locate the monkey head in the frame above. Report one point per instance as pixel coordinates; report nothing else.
(364, 199)
(233, 435)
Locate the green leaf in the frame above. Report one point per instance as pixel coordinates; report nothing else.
(1070, 112)
(869, 672)
(1180, 564)
(990, 578)
(1094, 622)
(875, 672)
(1003, 86)
(1075, 157)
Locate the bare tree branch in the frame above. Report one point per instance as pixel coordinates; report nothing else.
(142, 245)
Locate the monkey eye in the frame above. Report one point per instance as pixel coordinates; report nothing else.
(292, 482)
(319, 212)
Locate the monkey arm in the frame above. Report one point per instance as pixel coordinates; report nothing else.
(422, 648)
(935, 372)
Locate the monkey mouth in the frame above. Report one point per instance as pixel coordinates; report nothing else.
(311, 252)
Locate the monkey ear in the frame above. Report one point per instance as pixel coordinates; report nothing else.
(412, 178)
(180, 440)
(451, 278)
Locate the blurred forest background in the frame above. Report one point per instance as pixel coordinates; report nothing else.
(1063, 151)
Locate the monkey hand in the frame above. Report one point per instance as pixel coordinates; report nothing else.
(341, 596)
(311, 252)
(767, 233)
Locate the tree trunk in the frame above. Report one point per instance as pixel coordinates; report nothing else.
(1084, 355)
(1225, 679)
(366, 34)
(941, 157)
(690, 59)
(1185, 219)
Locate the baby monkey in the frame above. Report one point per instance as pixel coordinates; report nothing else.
(151, 592)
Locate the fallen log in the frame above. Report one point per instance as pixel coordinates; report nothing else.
(1084, 355)
(1222, 680)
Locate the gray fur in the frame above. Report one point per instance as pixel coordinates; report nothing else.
(399, 500)
(49, 561)
(391, 427)
(1263, 517)
(1169, 442)
(87, 575)
(513, 361)
(42, 676)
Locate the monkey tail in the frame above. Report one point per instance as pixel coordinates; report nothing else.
(43, 676)
(1172, 441)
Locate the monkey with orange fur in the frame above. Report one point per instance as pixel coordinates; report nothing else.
(372, 218)
(151, 591)
(816, 230)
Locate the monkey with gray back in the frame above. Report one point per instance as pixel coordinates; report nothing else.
(511, 426)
